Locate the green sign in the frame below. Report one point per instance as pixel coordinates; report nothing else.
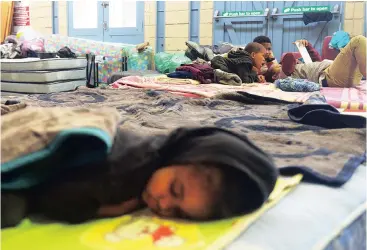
(306, 9)
(243, 13)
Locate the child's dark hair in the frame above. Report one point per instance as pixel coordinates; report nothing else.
(254, 47)
(262, 39)
(238, 194)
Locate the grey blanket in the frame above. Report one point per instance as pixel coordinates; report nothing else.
(330, 155)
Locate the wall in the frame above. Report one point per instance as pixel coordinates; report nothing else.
(177, 25)
(41, 16)
(354, 18)
(206, 22)
(63, 17)
(177, 19)
(150, 23)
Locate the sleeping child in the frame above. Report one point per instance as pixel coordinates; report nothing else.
(345, 71)
(192, 173)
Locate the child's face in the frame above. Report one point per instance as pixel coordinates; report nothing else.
(269, 51)
(258, 59)
(183, 191)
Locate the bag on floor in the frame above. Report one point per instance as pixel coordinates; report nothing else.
(92, 71)
(167, 62)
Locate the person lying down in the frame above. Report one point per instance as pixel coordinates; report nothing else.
(345, 71)
(190, 173)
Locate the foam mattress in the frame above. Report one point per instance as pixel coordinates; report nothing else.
(32, 64)
(41, 88)
(42, 76)
(313, 217)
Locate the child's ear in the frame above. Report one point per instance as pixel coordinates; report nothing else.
(252, 54)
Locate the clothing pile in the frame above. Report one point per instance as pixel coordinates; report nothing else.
(14, 48)
(207, 53)
(11, 48)
(223, 64)
(204, 73)
(20, 48)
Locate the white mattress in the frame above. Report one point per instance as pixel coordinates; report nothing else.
(31, 64)
(42, 76)
(311, 217)
(41, 88)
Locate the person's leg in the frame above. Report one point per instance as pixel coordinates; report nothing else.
(349, 66)
(309, 71)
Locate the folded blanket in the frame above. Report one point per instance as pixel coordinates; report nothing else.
(33, 134)
(201, 72)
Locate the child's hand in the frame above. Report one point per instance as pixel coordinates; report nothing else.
(261, 78)
(276, 68)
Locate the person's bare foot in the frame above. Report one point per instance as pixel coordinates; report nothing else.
(289, 64)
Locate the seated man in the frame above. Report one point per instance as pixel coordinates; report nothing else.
(345, 71)
(271, 69)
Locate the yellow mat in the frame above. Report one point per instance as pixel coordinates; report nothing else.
(140, 230)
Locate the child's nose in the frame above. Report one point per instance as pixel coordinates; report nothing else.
(166, 203)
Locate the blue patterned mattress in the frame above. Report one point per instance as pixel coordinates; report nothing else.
(313, 217)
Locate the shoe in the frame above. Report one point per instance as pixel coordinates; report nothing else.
(289, 64)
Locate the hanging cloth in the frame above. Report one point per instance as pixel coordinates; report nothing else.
(314, 17)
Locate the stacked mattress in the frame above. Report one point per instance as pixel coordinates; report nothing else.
(116, 55)
(34, 75)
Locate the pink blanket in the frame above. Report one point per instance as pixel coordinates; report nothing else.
(183, 86)
(349, 99)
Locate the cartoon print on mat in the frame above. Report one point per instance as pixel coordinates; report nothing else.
(161, 235)
(129, 232)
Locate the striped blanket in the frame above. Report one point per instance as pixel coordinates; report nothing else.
(347, 99)
(186, 88)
